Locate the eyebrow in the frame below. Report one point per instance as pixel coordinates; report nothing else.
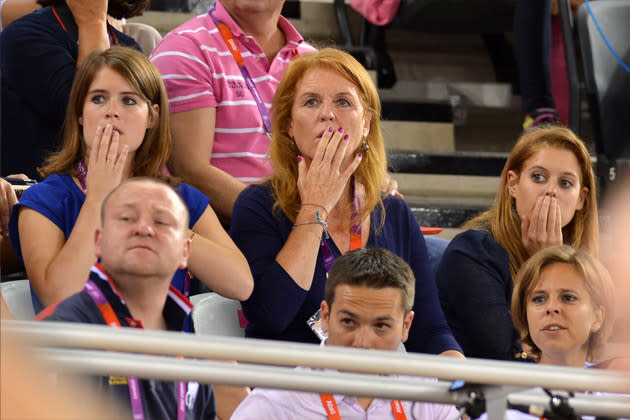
(561, 291)
(131, 92)
(353, 315)
(565, 173)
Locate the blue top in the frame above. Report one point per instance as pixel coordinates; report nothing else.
(475, 288)
(159, 398)
(38, 61)
(278, 308)
(59, 199)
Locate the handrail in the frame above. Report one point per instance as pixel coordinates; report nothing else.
(298, 354)
(205, 371)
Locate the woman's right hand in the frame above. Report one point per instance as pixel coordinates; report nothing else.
(323, 180)
(105, 164)
(543, 227)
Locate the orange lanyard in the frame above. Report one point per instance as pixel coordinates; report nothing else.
(333, 412)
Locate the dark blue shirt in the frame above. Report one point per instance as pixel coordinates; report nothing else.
(278, 308)
(159, 398)
(475, 288)
(38, 61)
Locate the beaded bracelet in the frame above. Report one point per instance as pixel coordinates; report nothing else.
(319, 221)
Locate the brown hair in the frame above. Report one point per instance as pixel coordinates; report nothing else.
(371, 172)
(596, 280)
(376, 268)
(503, 220)
(135, 68)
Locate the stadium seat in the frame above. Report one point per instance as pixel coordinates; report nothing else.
(607, 81)
(17, 294)
(214, 314)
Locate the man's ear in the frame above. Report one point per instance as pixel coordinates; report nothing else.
(406, 326)
(98, 234)
(154, 117)
(186, 253)
(512, 183)
(325, 315)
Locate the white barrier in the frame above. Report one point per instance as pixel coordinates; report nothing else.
(493, 375)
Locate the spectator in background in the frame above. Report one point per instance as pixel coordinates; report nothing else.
(14, 9)
(220, 130)
(532, 47)
(367, 305)
(116, 127)
(39, 56)
(546, 197)
(324, 199)
(142, 240)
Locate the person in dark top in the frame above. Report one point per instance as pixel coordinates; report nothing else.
(324, 199)
(39, 56)
(142, 241)
(546, 197)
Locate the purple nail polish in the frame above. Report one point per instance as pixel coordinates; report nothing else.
(330, 129)
(340, 129)
(345, 137)
(299, 158)
(360, 155)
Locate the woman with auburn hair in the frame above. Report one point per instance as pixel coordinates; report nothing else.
(546, 197)
(324, 199)
(116, 127)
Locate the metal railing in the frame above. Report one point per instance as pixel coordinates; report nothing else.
(93, 350)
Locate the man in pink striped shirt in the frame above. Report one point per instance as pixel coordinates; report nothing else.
(220, 139)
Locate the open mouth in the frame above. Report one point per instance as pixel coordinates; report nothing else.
(553, 328)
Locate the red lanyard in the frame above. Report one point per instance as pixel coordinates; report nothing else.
(330, 405)
(355, 233)
(134, 385)
(64, 14)
(228, 37)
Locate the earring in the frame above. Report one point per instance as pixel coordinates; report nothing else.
(364, 146)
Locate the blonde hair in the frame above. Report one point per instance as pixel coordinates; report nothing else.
(371, 172)
(152, 156)
(596, 280)
(503, 220)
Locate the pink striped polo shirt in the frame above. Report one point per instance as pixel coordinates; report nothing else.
(199, 71)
